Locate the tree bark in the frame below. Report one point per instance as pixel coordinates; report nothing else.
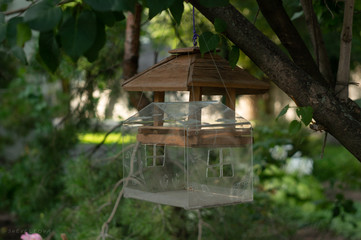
(281, 24)
(131, 55)
(339, 120)
(343, 72)
(318, 44)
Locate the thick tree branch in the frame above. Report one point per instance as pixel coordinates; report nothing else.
(281, 24)
(317, 41)
(343, 72)
(336, 116)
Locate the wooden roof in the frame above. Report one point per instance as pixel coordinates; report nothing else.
(186, 68)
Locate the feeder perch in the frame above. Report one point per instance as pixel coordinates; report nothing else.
(190, 154)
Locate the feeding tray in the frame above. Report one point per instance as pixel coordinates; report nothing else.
(190, 155)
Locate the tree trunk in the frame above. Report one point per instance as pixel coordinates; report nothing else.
(131, 55)
(341, 121)
(343, 72)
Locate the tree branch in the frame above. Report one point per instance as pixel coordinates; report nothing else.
(131, 55)
(340, 120)
(314, 29)
(343, 72)
(105, 138)
(281, 24)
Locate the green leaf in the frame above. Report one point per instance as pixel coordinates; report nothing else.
(176, 9)
(19, 53)
(157, 6)
(49, 50)
(294, 127)
(336, 211)
(2, 27)
(107, 18)
(112, 5)
(43, 16)
(12, 30)
(305, 114)
(78, 34)
(119, 16)
(296, 15)
(92, 53)
(214, 3)
(219, 25)
(283, 111)
(349, 207)
(208, 42)
(234, 56)
(23, 34)
(358, 102)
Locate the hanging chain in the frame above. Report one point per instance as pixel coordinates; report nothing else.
(195, 35)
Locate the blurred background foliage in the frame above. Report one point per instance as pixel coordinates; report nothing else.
(53, 180)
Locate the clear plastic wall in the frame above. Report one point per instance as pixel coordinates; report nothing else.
(190, 155)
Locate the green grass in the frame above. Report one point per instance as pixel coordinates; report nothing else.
(95, 138)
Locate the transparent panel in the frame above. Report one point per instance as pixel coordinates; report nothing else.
(190, 155)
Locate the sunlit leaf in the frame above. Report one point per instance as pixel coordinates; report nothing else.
(176, 10)
(208, 42)
(234, 56)
(283, 111)
(78, 34)
(23, 34)
(49, 50)
(43, 16)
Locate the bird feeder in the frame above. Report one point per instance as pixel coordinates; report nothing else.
(190, 154)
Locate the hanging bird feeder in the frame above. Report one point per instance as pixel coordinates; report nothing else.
(191, 154)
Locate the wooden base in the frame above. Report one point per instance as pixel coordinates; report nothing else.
(176, 136)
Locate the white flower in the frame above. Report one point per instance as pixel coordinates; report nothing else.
(299, 164)
(280, 152)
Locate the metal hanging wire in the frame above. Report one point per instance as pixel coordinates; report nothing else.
(195, 36)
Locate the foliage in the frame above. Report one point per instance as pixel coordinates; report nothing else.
(338, 167)
(54, 183)
(30, 181)
(303, 113)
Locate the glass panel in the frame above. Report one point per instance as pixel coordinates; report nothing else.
(213, 172)
(198, 155)
(213, 157)
(227, 170)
